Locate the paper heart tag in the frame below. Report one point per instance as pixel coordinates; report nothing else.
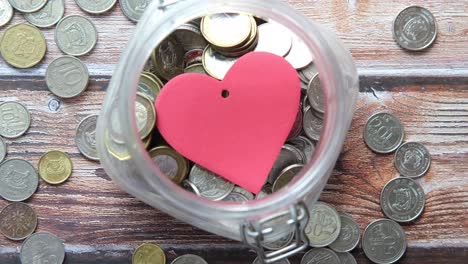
(235, 127)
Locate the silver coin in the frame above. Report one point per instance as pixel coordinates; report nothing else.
(346, 258)
(145, 115)
(324, 225)
(85, 137)
(3, 149)
(286, 176)
(67, 77)
(402, 200)
(313, 125)
(168, 59)
(383, 133)
(412, 159)
(47, 16)
(190, 37)
(75, 35)
(283, 261)
(95, 6)
(305, 102)
(217, 65)
(14, 119)
(27, 6)
(18, 180)
(384, 241)
(210, 185)
(274, 38)
(306, 74)
(188, 185)
(133, 9)
(299, 56)
(305, 145)
(189, 259)
(315, 95)
(289, 155)
(195, 68)
(282, 235)
(320, 256)
(239, 194)
(42, 247)
(349, 235)
(6, 12)
(415, 28)
(265, 191)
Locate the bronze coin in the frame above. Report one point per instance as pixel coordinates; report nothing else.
(17, 221)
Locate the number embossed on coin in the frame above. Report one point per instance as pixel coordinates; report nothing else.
(67, 77)
(210, 185)
(47, 16)
(3, 149)
(42, 247)
(171, 163)
(384, 241)
(75, 35)
(95, 6)
(133, 9)
(349, 235)
(383, 133)
(85, 138)
(189, 259)
(412, 159)
(148, 253)
(320, 255)
(18, 180)
(23, 45)
(17, 221)
(415, 28)
(402, 199)
(55, 167)
(14, 119)
(313, 125)
(27, 6)
(324, 225)
(6, 12)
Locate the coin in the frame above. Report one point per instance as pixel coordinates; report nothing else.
(27, 6)
(305, 145)
(168, 58)
(47, 16)
(248, 46)
(15, 119)
(133, 9)
(239, 194)
(195, 68)
(189, 186)
(145, 115)
(42, 247)
(55, 167)
(3, 149)
(95, 6)
(279, 242)
(154, 78)
(288, 156)
(306, 74)
(383, 133)
(148, 86)
(402, 200)
(274, 38)
(189, 259)
(148, 253)
(324, 225)
(265, 191)
(346, 258)
(283, 261)
(315, 95)
(75, 35)
(349, 235)
(217, 65)
(190, 37)
(193, 57)
(6, 12)
(226, 30)
(313, 125)
(85, 137)
(67, 77)
(18, 180)
(210, 185)
(117, 149)
(171, 163)
(23, 45)
(415, 28)
(299, 56)
(412, 159)
(297, 126)
(286, 176)
(320, 255)
(384, 241)
(17, 221)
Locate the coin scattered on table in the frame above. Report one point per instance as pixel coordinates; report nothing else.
(55, 167)
(239, 194)
(148, 253)
(210, 185)
(85, 138)
(258, 261)
(315, 95)
(47, 16)
(189, 259)
(67, 77)
(349, 235)
(320, 255)
(95, 6)
(23, 45)
(15, 119)
(42, 247)
(376, 241)
(18, 180)
(286, 176)
(324, 225)
(28, 6)
(171, 163)
(7, 13)
(313, 125)
(17, 221)
(274, 38)
(75, 35)
(346, 258)
(383, 133)
(402, 200)
(133, 9)
(415, 28)
(3, 149)
(412, 160)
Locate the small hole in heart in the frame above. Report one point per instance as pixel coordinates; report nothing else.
(225, 93)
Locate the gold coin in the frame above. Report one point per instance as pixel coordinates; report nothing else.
(171, 163)
(23, 45)
(55, 167)
(247, 47)
(148, 253)
(227, 30)
(116, 149)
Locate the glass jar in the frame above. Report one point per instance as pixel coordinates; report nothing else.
(254, 222)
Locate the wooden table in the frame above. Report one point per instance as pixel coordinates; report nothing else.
(427, 90)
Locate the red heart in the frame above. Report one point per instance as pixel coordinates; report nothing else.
(238, 137)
